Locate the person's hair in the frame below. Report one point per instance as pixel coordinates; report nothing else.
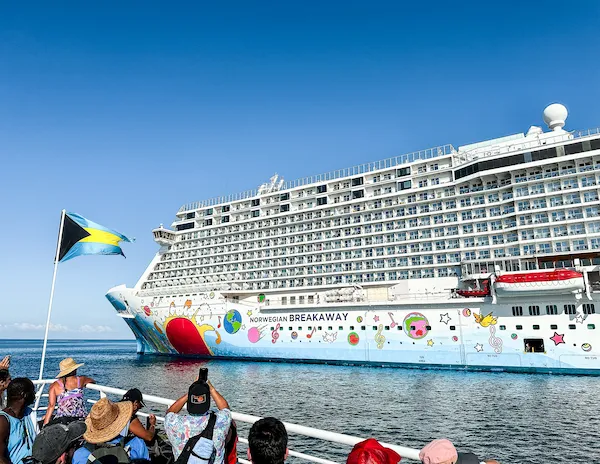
(70, 374)
(4, 374)
(19, 388)
(267, 441)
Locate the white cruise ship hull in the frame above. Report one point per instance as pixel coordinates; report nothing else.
(452, 334)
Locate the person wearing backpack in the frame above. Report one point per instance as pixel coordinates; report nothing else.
(106, 436)
(199, 437)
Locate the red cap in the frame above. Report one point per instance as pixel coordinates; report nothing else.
(370, 451)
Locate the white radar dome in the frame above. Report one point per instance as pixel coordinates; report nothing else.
(555, 116)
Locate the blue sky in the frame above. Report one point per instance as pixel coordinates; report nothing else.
(123, 111)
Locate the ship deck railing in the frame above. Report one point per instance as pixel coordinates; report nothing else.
(325, 435)
(365, 168)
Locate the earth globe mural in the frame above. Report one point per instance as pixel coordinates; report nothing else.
(232, 321)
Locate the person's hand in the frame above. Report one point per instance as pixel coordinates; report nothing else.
(152, 420)
(5, 363)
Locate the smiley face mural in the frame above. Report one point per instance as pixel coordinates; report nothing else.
(415, 326)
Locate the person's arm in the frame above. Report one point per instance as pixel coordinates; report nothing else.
(216, 396)
(51, 403)
(4, 430)
(139, 430)
(86, 380)
(491, 461)
(178, 405)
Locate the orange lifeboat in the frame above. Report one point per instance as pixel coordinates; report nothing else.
(557, 281)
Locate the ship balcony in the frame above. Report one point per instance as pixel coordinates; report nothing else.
(164, 237)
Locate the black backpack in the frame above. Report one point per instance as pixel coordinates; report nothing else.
(108, 453)
(207, 434)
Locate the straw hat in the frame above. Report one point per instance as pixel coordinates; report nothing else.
(106, 420)
(67, 366)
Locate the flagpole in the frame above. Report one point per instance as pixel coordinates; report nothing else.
(62, 222)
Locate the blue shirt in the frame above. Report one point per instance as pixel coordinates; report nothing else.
(21, 435)
(136, 449)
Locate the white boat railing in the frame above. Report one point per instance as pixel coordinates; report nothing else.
(340, 438)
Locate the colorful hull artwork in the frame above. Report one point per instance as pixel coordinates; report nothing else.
(458, 334)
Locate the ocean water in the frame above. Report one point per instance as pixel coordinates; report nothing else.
(515, 418)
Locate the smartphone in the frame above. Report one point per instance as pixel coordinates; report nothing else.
(203, 374)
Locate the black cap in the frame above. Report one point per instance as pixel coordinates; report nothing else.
(198, 402)
(467, 458)
(134, 395)
(53, 440)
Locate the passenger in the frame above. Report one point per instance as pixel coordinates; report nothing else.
(267, 442)
(135, 426)
(17, 430)
(107, 427)
(56, 443)
(67, 392)
(180, 428)
(4, 380)
(442, 451)
(371, 451)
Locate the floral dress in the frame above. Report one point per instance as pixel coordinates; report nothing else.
(70, 403)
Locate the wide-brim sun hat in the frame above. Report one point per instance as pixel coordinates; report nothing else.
(67, 366)
(106, 420)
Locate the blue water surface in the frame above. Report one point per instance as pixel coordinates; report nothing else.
(515, 418)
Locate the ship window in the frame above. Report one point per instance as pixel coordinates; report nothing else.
(284, 208)
(534, 310)
(404, 185)
(536, 327)
(551, 309)
(321, 189)
(519, 327)
(190, 215)
(299, 328)
(357, 181)
(402, 172)
(517, 310)
(208, 222)
(452, 327)
(553, 327)
(309, 327)
(320, 328)
(289, 328)
(255, 202)
(412, 327)
(374, 327)
(362, 327)
(329, 328)
(340, 328)
(321, 201)
(589, 309)
(534, 345)
(570, 309)
(591, 326)
(255, 213)
(225, 219)
(225, 209)
(284, 196)
(502, 327)
(358, 194)
(572, 326)
(281, 328)
(387, 327)
(428, 327)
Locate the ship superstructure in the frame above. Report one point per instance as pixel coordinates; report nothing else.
(485, 256)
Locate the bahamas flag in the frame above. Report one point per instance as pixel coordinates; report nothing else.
(80, 236)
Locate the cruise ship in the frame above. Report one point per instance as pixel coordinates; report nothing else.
(482, 257)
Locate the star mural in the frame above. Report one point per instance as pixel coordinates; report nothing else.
(430, 342)
(558, 338)
(478, 347)
(579, 318)
(445, 318)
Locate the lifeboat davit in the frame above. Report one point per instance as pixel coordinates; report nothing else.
(485, 291)
(558, 281)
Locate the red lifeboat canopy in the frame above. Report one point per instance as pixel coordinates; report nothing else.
(543, 276)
